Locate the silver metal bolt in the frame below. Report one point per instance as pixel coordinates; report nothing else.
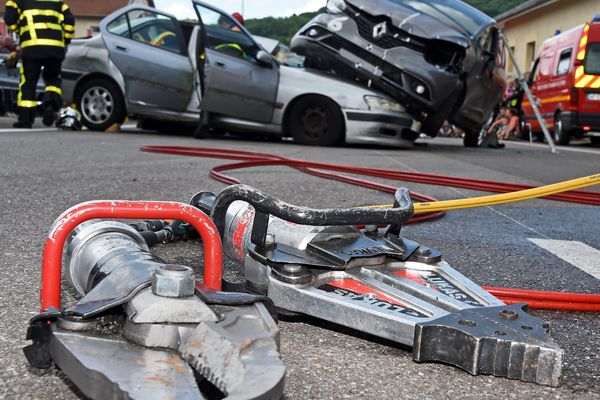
(292, 268)
(269, 240)
(423, 251)
(173, 281)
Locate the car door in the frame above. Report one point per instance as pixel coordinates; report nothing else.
(149, 50)
(237, 83)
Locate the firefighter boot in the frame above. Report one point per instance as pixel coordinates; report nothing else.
(26, 118)
(52, 103)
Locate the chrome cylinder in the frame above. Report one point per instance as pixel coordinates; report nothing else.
(238, 231)
(96, 248)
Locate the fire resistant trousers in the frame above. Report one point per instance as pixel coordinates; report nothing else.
(31, 69)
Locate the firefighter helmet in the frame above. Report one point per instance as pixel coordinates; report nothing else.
(69, 119)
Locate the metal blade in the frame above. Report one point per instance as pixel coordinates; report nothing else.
(502, 341)
(240, 354)
(106, 368)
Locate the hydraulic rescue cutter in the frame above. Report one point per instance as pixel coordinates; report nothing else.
(143, 328)
(319, 263)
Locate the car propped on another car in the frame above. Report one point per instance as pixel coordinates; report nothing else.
(442, 59)
(148, 64)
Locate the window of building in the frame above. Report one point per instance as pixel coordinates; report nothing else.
(564, 63)
(530, 54)
(511, 67)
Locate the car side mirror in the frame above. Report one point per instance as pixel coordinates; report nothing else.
(264, 59)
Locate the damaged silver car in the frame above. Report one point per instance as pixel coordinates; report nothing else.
(442, 59)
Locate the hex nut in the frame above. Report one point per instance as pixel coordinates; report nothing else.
(173, 281)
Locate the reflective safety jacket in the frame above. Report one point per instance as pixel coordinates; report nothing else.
(44, 26)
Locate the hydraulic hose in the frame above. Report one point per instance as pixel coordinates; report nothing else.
(428, 208)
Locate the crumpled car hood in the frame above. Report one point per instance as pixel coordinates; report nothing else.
(415, 22)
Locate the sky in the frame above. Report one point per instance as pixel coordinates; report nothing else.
(251, 8)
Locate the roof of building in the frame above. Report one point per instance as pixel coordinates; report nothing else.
(523, 8)
(88, 8)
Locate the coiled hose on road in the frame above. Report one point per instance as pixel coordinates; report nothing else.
(426, 208)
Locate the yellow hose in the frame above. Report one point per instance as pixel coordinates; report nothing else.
(512, 197)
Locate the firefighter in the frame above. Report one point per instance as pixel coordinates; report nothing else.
(45, 28)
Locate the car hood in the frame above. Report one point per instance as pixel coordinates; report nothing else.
(449, 20)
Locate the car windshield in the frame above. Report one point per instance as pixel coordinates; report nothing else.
(452, 13)
(286, 56)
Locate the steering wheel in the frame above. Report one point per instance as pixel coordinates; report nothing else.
(160, 39)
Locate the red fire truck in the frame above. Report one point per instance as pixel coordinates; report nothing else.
(565, 81)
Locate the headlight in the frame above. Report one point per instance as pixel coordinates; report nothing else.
(381, 103)
(336, 6)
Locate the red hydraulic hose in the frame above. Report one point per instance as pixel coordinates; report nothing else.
(535, 299)
(550, 296)
(575, 196)
(553, 305)
(50, 293)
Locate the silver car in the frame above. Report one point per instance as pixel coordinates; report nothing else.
(148, 64)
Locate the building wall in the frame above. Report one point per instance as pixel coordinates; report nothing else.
(526, 33)
(85, 25)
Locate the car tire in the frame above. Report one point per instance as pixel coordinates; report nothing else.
(559, 134)
(315, 121)
(101, 104)
(471, 139)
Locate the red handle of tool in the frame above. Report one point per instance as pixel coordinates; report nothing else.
(52, 257)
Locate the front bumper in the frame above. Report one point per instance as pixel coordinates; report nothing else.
(380, 128)
(334, 42)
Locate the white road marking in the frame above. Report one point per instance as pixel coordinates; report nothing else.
(27, 130)
(13, 130)
(559, 148)
(578, 254)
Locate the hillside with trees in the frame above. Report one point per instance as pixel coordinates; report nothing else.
(283, 29)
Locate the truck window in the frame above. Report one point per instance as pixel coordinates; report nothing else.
(545, 66)
(592, 59)
(533, 75)
(564, 63)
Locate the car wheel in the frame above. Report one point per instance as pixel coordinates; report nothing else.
(525, 131)
(471, 139)
(316, 121)
(559, 135)
(101, 104)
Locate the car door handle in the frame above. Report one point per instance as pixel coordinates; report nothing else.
(220, 64)
(121, 48)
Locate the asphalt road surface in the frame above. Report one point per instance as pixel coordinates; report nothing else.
(45, 172)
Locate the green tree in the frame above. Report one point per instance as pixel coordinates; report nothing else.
(283, 29)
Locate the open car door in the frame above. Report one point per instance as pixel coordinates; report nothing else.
(149, 49)
(241, 79)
